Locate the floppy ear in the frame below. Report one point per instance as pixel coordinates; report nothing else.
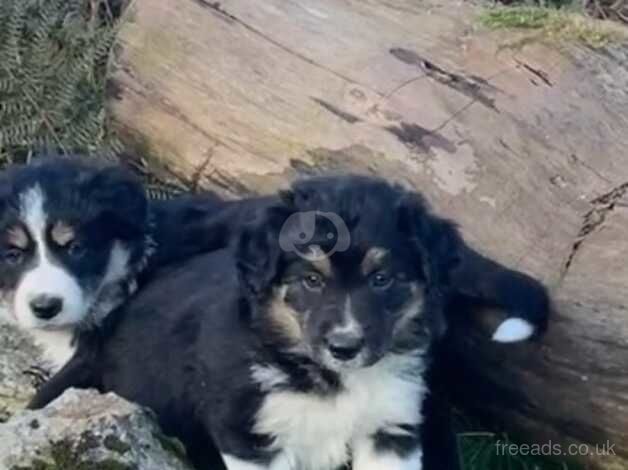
(436, 242)
(121, 200)
(436, 239)
(258, 251)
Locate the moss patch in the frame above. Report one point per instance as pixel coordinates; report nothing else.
(66, 455)
(114, 444)
(172, 446)
(554, 25)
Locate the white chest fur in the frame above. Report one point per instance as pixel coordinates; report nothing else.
(56, 346)
(318, 433)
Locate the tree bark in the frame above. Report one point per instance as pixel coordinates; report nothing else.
(525, 147)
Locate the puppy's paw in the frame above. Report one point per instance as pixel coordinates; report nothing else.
(513, 330)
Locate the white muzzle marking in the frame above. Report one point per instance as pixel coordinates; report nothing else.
(45, 278)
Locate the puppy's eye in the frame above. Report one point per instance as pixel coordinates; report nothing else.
(381, 280)
(313, 281)
(75, 249)
(14, 256)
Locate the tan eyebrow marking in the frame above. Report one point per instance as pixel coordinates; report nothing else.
(283, 317)
(17, 237)
(412, 308)
(62, 233)
(319, 259)
(373, 260)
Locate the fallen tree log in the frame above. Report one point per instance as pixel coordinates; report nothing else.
(524, 146)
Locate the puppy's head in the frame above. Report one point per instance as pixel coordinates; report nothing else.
(348, 270)
(68, 233)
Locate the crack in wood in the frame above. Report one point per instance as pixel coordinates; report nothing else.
(418, 138)
(217, 8)
(403, 85)
(581, 162)
(344, 115)
(595, 218)
(467, 86)
(197, 174)
(454, 116)
(540, 74)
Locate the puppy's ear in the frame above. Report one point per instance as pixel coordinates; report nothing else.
(258, 251)
(436, 239)
(436, 242)
(120, 199)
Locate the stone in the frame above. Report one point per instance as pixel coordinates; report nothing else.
(84, 430)
(19, 371)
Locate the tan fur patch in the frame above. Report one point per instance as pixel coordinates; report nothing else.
(412, 308)
(17, 237)
(62, 233)
(317, 257)
(373, 260)
(284, 318)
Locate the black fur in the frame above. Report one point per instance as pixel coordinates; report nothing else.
(200, 338)
(105, 204)
(101, 206)
(196, 346)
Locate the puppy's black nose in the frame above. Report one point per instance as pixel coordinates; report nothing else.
(46, 307)
(344, 345)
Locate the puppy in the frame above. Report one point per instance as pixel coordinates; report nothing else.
(305, 346)
(73, 238)
(193, 225)
(473, 280)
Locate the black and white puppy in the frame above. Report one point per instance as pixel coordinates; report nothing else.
(72, 239)
(306, 348)
(194, 332)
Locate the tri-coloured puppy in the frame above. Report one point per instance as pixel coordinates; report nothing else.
(76, 237)
(305, 346)
(73, 238)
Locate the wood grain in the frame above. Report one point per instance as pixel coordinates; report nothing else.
(520, 145)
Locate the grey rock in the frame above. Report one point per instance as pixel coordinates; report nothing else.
(19, 371)
(84, 430)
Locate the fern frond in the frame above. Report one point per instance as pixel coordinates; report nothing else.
(53, 56)
(12, 107)
(18, 133)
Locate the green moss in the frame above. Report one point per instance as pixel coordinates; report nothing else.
(109, 464)
(87, 442)
(114, 444)
(171, 445)
(516, 17)
(553, 25)
(66, 455)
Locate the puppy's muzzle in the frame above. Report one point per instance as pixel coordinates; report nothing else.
(46, 307)
(344, 345)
